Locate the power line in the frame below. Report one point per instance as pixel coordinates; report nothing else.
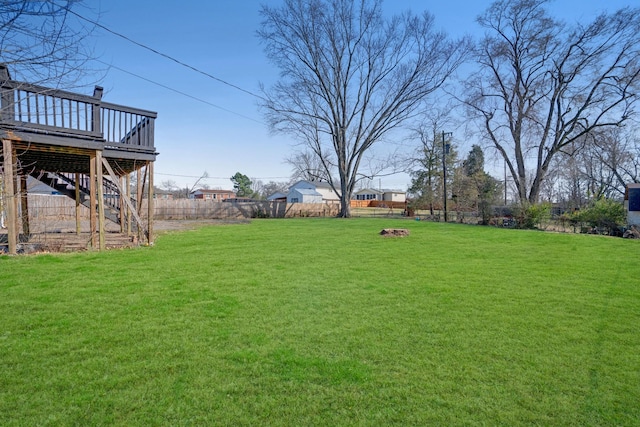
(157, 52)
(177, 91)
(217, 177)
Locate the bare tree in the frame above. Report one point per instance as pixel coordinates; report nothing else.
(198, 183)
(45, 41)
(306, 165)
(542, 85)
(169, 185)
(618, 162)
(273, 187)
(349, 77)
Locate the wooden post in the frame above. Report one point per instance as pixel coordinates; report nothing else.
(139, 191)
(92, 200)
(123, 206)
(150, 205)
(24, 205)
(128, 184)
(100, 199)
(78, 203)
(9, 193)
(96, 125)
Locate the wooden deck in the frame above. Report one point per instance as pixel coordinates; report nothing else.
(85, 147)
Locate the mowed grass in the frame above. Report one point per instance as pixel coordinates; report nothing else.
(324, 322)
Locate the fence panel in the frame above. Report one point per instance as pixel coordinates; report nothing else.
(62, 207)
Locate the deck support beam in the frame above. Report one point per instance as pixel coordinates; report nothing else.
(128, 212)
(100, 199)
(92, 200)
(139, 193)
(10, 196)
(150, 205)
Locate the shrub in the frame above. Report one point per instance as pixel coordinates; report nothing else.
(259, 212)
(533, 216)
(604, 215)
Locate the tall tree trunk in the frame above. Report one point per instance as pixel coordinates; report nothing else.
(345, 198)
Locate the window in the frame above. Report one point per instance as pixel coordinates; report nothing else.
(634, 199)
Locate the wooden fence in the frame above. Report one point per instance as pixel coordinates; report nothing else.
(378, 204)
(61, 207)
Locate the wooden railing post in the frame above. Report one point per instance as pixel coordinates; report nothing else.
(7, 97)
(96, 126)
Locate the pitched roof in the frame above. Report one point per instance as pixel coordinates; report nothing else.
(307, 191)
(316, 184)
(368, 191)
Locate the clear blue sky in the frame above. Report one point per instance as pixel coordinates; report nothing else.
(218, 36)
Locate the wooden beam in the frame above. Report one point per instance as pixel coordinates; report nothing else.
(9, 196)
(128, 184)
(123, 205)
(150, 205)
(100, 187)
(139, 193)
(92, 200)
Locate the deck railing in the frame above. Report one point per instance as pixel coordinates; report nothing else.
(33, 108)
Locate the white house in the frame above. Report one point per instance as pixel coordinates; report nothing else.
(394, 196)
(367, 194)
(303, 195)
(323, 188)
(382, 195)
(216, 195)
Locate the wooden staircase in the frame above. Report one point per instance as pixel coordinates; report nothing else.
(65, 183)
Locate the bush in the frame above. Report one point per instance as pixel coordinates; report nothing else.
(604, 216)
(533, 216)
(259, 212)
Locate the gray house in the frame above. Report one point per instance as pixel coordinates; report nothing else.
(303, 195)
(321, 187)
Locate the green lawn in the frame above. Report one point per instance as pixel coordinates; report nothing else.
(324, 322)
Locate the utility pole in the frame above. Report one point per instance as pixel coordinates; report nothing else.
(445, 151)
